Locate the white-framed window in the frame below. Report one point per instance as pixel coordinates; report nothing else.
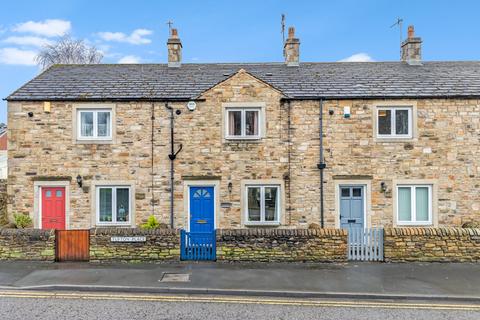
(243, 123)
(113, 205)
(263, 204)
(394, 122)
(94, 124)
(414, 204)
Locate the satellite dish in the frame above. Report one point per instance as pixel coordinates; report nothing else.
(191, 105)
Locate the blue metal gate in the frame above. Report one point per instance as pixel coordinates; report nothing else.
(198, 245)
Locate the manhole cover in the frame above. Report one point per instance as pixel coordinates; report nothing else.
(175, 277)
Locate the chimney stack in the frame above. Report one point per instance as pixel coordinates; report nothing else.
(291, 49)
(412, 48)
(174, 46)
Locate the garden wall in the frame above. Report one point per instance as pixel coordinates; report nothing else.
(282, 245)
(134, 245)
(431, 244)
(27, 244)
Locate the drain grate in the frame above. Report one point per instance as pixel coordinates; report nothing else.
(175, 277)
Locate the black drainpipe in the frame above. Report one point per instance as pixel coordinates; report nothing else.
(321, 165)
(152, 141)
(172, 157)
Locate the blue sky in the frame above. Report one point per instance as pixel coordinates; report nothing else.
(232, 31)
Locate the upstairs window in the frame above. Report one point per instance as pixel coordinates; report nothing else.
(243, 123)
(394, 122)
(94, 124)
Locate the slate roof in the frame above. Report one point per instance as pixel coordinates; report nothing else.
(327, 80)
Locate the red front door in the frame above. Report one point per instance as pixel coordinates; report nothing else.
(53, 208)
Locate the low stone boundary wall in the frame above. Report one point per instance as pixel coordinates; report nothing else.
(282, 245)
(431, 244)
(27, 244)
(134, 245)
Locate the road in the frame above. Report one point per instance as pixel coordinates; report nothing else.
(81, 305)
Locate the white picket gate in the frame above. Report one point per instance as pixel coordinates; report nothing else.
(365, 244)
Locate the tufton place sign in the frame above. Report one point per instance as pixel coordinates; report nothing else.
(129, 239)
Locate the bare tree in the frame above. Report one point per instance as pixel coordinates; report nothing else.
(68, 51)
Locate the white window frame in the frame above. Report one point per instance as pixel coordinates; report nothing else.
(243, 135)
(413, 207)
(95, 124)
(114, 205)
(393, 126)
(262, 207)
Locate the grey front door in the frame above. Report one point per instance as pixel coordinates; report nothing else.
(352, 203)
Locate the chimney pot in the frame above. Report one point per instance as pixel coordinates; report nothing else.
(411, 32)
(412, 48)
(174, 46)
(291, 32)
(291, 49)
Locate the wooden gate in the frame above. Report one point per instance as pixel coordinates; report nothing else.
(365, 244)
(72, 245)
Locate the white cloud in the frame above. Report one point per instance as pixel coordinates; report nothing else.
(138, 36)
(48, 28)
(28, 41)
(17, 57)
(129, 59)
(358, 57)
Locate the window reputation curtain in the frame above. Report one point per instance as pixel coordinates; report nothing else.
(251, 123)
(103, 120)
(254, 205)
(422, 206)
(234, 123)
(122, 204)
(105, 204)
(384, 122)
(404, 204)
(86, 123)
(401, 121)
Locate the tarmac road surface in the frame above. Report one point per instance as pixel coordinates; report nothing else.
(84, 305)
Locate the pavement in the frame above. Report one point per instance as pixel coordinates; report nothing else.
(428, 281)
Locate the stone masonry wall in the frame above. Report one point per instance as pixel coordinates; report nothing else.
(445, 150)
(3, 202)
(282, 245)
(160, 245)
(431, 244)
(27, 244)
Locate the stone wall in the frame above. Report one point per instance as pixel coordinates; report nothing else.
(27, 244)
(282, 245)
(160, 245)
(431, 244)
(3, 202)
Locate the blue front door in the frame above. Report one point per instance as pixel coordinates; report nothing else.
(352, 202)
(202, 207)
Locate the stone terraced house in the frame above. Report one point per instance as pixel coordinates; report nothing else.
(243, 145)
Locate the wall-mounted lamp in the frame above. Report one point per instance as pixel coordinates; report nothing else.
(331, 112)
(30, 114)
(383, 187)
(79, 181)
(230, 186)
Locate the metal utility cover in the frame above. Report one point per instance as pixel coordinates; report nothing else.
(175, 277)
